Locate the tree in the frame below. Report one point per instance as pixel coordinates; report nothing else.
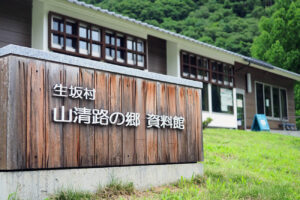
(279, 40)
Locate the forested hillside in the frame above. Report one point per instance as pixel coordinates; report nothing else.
(228, 24)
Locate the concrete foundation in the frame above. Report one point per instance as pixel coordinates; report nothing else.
(41, 183)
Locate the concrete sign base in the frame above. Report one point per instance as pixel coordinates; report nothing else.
(41, 183)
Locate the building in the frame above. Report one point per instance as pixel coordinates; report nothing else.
(235, 87)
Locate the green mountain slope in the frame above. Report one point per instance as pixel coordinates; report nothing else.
(228, 24)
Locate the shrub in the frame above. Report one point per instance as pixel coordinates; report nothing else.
(206, 122)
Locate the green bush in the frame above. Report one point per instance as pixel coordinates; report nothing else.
(206, 122)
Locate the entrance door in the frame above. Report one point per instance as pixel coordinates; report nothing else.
(240, 103)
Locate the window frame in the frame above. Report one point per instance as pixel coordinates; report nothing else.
(209, 70)
(90, 42)
(272, 103)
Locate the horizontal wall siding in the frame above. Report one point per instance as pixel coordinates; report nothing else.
(268, 78)
(15, 22)
(38, 143)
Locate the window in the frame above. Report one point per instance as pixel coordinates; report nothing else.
(194, 67)
(75, 37)
(271, 101)
(204, 92)
(222, 99)
(197, 67)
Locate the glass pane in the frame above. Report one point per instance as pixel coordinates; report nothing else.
(120, 56)
(200, 74)
(134, 46)
(131, 58)
(205, 97)
(220, 78)
(96, 50)
(214, 77)
(230, 70)
(107, 39)
(199, 62)
(226, 80)
(140, 60)
(110, 53)
(71, 44)
(283, 104)
(186, 70)
(112, 40)
(71, 28)
(57, 41)
(259, 99)
(120, 42)
(225, 69)
(140, 46)
(268, 101)
(206, 63)
(193, 60)
(206, 76)
(185, 59)
(216, 99)
(222, 99)
(214, 66)
(83, 32)
(83, 47)
(240, 110)
(129, 44)
(96, 35)
(220, 67)
(193, 72)
(57, 24)
(276, 103)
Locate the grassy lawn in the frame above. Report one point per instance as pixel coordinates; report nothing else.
(238, 165)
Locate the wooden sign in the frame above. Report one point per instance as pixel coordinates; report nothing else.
(30, 137)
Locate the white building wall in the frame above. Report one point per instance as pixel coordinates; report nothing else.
(173, 59)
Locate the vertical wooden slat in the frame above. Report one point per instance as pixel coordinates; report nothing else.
(190, 128)
(128, 105)
(36, 115)
(115, 132)
(182, 134)
(16, 134)
(172, 133)
(87, 139)
(4, 82)
(101, 132)
(198, 131)
(196, 112)
(163, 152)
(151, 133)
(54, 132)
(71, 154)
(140, 131)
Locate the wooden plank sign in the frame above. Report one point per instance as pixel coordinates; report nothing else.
(60, 116)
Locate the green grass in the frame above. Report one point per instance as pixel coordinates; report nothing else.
(245, 165)
(238, 165)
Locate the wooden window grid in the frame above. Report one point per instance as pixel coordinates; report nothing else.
(90, 42)
(215, 72)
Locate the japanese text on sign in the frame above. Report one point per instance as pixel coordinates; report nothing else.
(102, 117)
